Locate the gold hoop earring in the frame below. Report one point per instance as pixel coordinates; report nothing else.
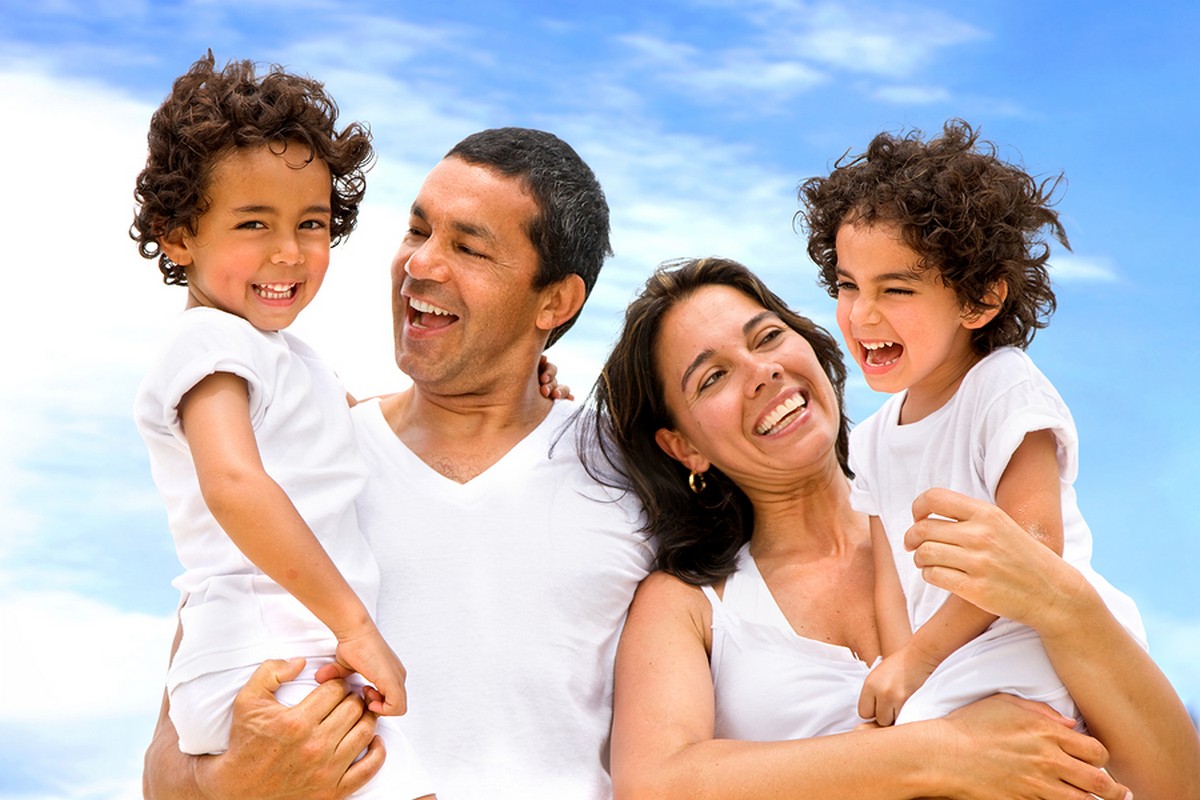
(696, 482)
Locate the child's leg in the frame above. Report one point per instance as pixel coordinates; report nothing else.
(202, 711)
(1007, 658)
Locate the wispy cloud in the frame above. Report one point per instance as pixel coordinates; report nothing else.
(1069, 268)
(793, 47)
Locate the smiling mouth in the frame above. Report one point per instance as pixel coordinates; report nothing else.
(881, 354)
(781, 415)
(275, 291)
(426, 316)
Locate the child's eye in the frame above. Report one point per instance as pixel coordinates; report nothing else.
(844, 286)
(898, 290)
(313, 224)
(251, 225)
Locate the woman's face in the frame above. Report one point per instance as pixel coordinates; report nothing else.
(747, 392)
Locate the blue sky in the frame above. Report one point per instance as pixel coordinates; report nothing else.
(700, 118)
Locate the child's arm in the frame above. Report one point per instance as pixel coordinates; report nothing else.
(891, 610)
(262, 521)
(1029, 491)
(886, 687)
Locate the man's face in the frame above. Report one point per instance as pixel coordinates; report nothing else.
(465, 312)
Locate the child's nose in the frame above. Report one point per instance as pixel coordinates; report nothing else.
(288, 250)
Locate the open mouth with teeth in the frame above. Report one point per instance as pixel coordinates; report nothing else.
(275, 291)
(779, 417)
(881, 354)
(427, 316)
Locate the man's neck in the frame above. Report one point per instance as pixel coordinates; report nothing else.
(462, 436)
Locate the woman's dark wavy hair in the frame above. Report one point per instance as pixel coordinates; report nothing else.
(698, 535)
(974, 218)
(210, 113)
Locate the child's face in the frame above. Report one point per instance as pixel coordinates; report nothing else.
(904, 327)
(261, 249)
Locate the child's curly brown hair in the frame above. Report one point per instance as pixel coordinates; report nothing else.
(971, 216)
(210, 113)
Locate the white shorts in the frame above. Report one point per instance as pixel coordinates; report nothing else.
(202, 712)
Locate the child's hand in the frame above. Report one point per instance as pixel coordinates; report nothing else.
(369, 655)
(891, 682)
(548, 380)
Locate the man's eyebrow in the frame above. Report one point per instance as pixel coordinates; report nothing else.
(467, 228)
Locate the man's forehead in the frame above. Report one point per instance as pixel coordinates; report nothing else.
(472, 194)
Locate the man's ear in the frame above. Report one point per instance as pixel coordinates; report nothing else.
(677, 447)
(174, 245)
(994, 301)
(561, 301)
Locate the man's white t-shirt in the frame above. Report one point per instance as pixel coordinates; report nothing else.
(504, 597)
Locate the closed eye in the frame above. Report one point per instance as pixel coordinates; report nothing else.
(710, 380)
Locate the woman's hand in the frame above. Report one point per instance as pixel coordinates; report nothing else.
(973, 549)
(548, 381)
(1021, 749)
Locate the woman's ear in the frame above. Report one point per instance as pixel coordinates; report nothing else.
(677, 447)
(993, 302)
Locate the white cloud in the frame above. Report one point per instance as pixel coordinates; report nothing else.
(1076, 269)
(79, 645)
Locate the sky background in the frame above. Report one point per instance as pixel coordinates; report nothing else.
(700, 117)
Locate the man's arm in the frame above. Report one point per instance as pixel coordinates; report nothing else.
(275, 752)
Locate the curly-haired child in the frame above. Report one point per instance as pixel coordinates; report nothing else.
(933, 250)
(247, 185)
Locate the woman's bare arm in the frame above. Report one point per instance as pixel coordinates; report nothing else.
(1128, 703)
(663, 745)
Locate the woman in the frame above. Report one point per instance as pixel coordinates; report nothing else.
(741, 662)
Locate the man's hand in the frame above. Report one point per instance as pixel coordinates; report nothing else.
(306, 751)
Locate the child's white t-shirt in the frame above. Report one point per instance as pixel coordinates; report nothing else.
(966, 445)
(232, 614)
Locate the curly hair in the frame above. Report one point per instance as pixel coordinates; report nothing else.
(973, 217)
(698, 535)
(570, 232)
(210, 113)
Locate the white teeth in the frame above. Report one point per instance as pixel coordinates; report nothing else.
(275, 291)
(877, 345)
(427, 308)
(779, 412)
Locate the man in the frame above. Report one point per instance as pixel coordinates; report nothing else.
(506, 570)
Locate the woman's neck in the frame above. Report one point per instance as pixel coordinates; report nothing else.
(812, 519)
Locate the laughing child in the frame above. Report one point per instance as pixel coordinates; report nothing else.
(933, 250)
(246, 187)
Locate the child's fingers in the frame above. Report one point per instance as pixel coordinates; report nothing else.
(390, 703)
